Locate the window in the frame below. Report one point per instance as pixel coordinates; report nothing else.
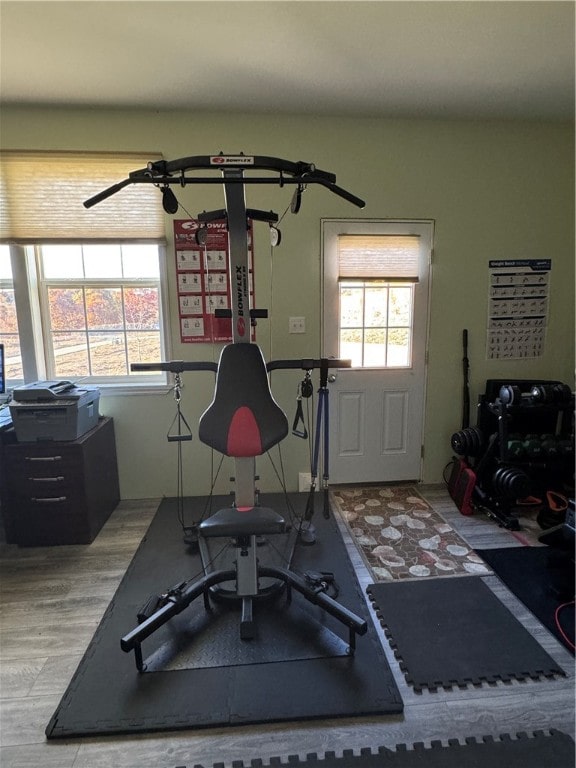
(375, 323)
(88, 287)
(101, 308)
(9, 335)
(376, 278)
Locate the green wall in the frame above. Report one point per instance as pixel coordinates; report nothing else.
(495, 190)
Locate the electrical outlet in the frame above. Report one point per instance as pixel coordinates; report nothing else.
(296, 325)
(304, 481)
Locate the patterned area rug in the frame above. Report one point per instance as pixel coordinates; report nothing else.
(400, 536)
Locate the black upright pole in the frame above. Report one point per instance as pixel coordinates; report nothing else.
(466, 384)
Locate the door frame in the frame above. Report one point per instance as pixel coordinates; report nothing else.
(403, 225)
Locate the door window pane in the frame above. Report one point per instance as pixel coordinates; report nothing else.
(376, 306)
(376, 323)
(376, 277)
(351, 306)
(399, 353)
(400, 306)
(351, 345)
(374, 347)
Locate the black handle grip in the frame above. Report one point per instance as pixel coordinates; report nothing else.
(307, 364)
(106, 193)
(357, 201)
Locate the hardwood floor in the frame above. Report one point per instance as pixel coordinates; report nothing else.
(52, 600)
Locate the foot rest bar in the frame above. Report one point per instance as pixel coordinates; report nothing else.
(172, 608)
(347, 617)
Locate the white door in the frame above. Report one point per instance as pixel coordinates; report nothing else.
(375, 312)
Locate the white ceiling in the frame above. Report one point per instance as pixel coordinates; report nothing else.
(466, 59)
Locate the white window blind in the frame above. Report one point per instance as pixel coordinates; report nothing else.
(389, 257)
(42, 195)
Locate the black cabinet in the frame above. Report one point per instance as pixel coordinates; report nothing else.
(59, 492)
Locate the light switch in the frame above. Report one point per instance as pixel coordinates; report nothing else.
(296, 325)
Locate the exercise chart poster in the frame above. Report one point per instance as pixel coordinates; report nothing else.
(203, 280)
(518, 308)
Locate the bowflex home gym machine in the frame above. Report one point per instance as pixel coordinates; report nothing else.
(243, 421)
(521, 449)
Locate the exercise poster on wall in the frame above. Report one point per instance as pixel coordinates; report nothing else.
(518, 308)
(203, 284)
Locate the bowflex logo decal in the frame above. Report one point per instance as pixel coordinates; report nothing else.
(231, 160)
(241, 298)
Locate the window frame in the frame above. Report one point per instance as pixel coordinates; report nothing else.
(330, 230)
(7, 285)
(30, 289)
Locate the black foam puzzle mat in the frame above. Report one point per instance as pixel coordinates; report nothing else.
(456, 632)
(201, 674)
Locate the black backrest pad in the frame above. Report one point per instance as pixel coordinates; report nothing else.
(243, 418)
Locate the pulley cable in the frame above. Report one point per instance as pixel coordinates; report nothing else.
(305, 390)
(214, 476)
(280, 475)
(182, 434)
(299, 425)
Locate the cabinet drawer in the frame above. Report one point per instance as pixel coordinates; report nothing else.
(46, 522)
(23, 464)
(40, 486)
(51, 504)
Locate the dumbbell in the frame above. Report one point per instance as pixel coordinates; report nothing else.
(467, 442)
(562, 393)
(565, 447)
(511, 482)
(515, 449)
(511, 394)
(551, 393)
(550, 446)
(533, 447)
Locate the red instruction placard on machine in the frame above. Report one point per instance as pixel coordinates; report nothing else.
(203, 280)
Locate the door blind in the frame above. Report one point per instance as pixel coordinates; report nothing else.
(382, 257)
